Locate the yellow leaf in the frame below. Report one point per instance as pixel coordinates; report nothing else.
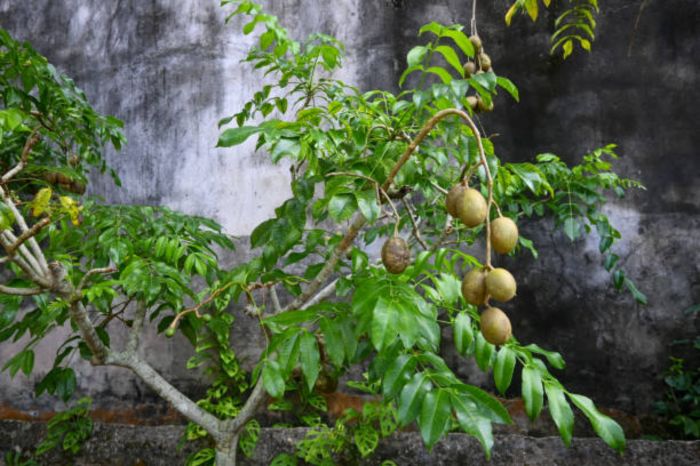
(40, 204)
(568, 48)
(547, 2)
(532, 9)
(511, 11)
(586, 44)
(70, 207)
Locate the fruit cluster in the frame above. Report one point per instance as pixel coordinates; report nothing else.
(472, 209)
(482, 64)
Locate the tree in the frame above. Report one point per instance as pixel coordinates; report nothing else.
(376, 164)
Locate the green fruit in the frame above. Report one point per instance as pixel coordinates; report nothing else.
(482, 107)
(485, 62)
(451, 199)
(395, 255)
(474, 287)
(206, 317)
(471, 207)
(504, 235)
(500, 285)
(473, 102)
(495, 326)
(170, 332)
(476, 42)
(469, 69)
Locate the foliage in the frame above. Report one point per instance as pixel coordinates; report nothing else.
(67, 430)
(681, 403)
(354, 436)
(576, 24)
(372, 163)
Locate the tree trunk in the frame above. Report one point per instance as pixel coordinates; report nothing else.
(226, 452)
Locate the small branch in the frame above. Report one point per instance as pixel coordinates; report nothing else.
(416, 231)
(447, 231)
(323, 294)
(20, 291)
(43, 267)
(275, 300)
(198, 306)
(28, 145)
(90, 273)
(33, 231)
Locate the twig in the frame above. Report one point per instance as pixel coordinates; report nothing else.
(33, 231)
(90, 273)
(28, 145)
(198, 306)
(275, 300)
(416, 231)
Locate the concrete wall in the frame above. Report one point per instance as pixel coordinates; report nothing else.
(170, 70)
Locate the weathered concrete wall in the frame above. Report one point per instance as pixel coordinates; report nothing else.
(171, 70)
(116, 445)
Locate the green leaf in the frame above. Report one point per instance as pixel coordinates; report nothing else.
(461, 40)
(396, 376)
(444, 76)
(509, 87)
(433, 27)
(310, 358)
(366, 439)
(411, 398)
(24, 361)
(471, 422)
(488, 406)
(234, 136)
(272, 379)
(451, 58)
(503, 369)
(554, 358)
(434, 416)
(284, 459)
(368, 205)
(607, 429)
(561, 411)
(640, 297)
(532, 391)
(342, 206)
(484, 352)
(333, 339)
(415, 55)
(384, 324)
(463, 333)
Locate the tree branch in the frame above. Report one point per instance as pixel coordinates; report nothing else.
(33, 231)
(80, 316)
(165, 390)
(43, 266)
(20, 291)
(132, 344)
(416, 231)
(90, 273)
(28, 145)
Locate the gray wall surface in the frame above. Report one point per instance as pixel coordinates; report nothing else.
(170, 70)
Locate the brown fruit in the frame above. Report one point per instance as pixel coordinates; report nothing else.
(500, 285)
(471, 207)
(473, 102)
(451, 199)
(504, 235)
(481, 105)
(484, 61)
(395, 255)
(476, 42)
(325, 383)
(474, 287)
(495, 326)
(469, 69)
